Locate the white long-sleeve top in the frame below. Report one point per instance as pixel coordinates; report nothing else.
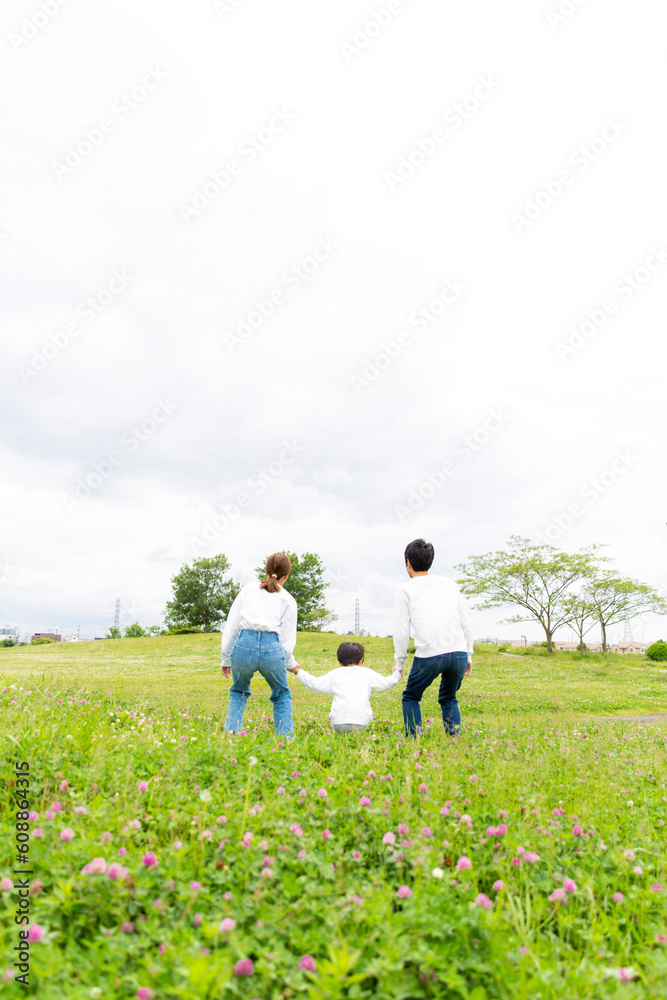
(351, 688)
(433, 610)
(256, 608)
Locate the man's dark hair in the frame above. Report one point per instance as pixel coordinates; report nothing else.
(349, 653)
(421, 555)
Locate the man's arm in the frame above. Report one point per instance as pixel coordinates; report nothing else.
(466, 625)
(401, 628)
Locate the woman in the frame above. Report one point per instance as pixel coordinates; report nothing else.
(260, 634)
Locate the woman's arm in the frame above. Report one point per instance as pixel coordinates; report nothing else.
(288, 633)
(231, 633)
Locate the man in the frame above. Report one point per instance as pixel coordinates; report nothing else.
(432, 609)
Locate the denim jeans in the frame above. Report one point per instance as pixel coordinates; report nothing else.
(450, 667)
(259, 651)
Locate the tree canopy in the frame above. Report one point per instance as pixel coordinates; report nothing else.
(536, 578)
(203, 593)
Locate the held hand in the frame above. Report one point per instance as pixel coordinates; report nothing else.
(468, 670)
(226, 671)
(295, 669)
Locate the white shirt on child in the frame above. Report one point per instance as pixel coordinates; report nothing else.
(256, 608)
(351, 688)
(432, 610)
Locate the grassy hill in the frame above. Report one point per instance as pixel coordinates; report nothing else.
(182, 670)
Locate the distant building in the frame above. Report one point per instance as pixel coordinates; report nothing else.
(9, 633)
(72, 638)
(629, 647)
(592, 647)
(47, 635)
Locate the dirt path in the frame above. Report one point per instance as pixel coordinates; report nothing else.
(659, 717)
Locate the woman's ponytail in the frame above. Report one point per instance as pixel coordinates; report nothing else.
(277, 566)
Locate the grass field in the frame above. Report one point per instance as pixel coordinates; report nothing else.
(173, 669)
(523, 860)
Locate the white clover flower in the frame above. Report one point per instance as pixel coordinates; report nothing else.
(437, 873)
(205, 795)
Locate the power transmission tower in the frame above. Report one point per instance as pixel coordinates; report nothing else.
(116, 621)
(357, 618)
(627, 634)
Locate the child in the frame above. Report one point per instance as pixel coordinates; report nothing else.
(351, 685)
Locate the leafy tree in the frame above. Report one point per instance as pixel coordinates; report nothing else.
(7, 643)
(537, 578)
(657, 650)
(202, 594)
(617, 599)
(113, 633)
(580, 611)
(155, 630)
(135, 631)
(306, 584)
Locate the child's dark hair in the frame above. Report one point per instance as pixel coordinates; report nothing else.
(277, 566)
(421, 555)
(350, 653)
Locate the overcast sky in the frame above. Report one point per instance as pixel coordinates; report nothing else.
(338, 274)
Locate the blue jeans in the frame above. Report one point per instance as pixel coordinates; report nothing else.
(259, 651)
(450, 667)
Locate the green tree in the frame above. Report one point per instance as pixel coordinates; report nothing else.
(307, 585)
(202, 594)
(657, 650)
(536, 578)
(113, 633)
(6, 643)
(43, 641)
(134, 631)
(581, 616)
(617, 599)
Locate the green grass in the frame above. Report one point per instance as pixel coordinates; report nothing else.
(173, 669)
(318, 876)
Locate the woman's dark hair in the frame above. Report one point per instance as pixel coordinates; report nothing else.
(421, 555)
(349, 653)
(277, 566)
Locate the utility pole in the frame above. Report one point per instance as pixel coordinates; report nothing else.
(116, 620)
(357, 617)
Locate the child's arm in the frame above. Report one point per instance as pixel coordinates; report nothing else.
(321, 685)
(380, 683)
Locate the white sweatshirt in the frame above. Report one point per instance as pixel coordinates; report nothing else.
(258, 609)
(432, 610)
(351, 688)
